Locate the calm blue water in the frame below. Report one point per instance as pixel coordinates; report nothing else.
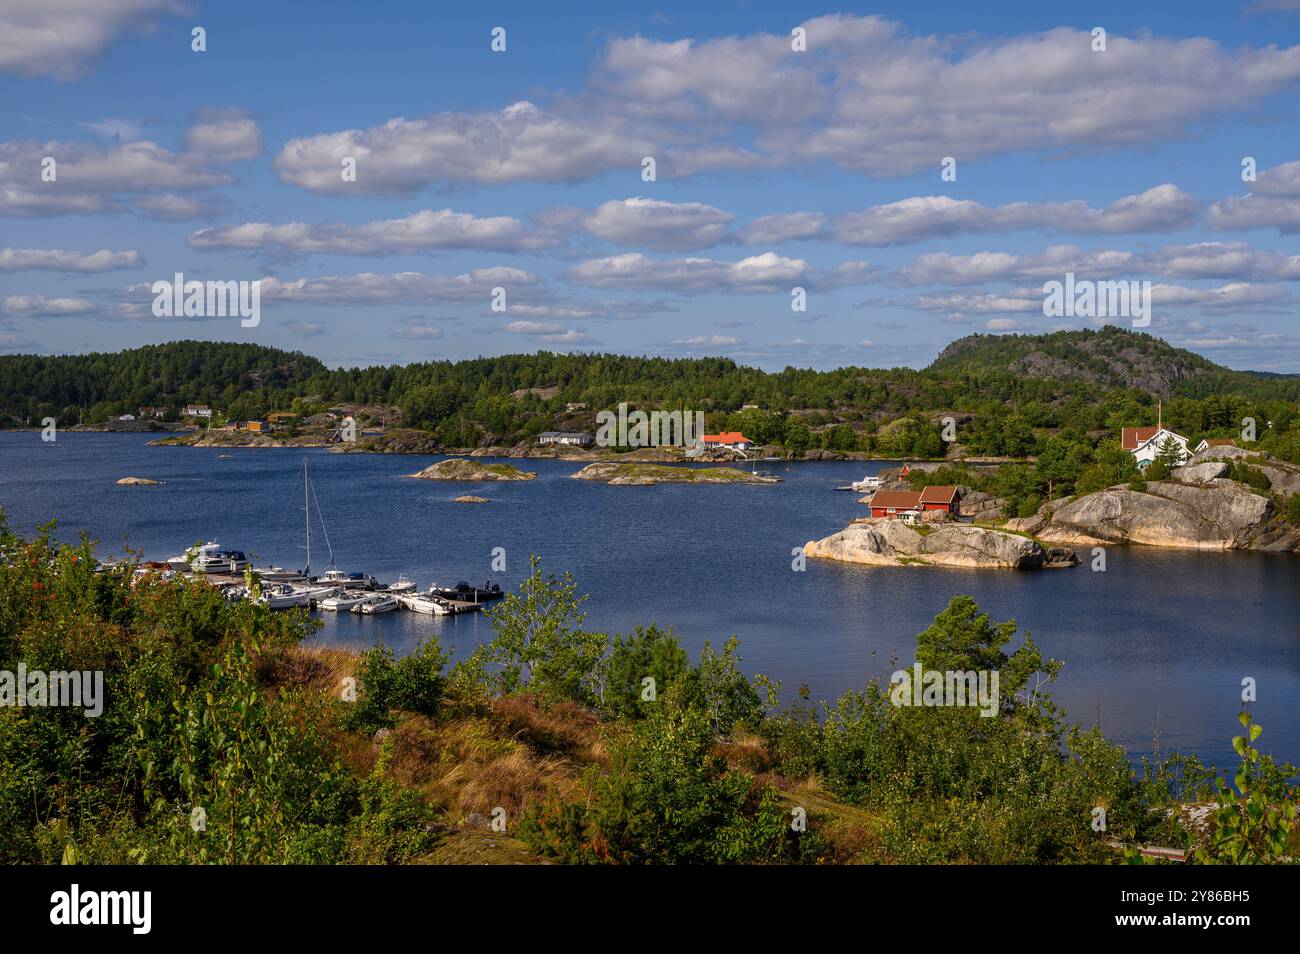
(1163, 638)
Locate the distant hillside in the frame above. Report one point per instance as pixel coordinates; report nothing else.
(1109, 358)
(511, 397)
(177, 373)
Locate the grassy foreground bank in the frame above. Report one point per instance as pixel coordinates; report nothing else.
(223, 738)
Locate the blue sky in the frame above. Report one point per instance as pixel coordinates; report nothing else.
(522, 170)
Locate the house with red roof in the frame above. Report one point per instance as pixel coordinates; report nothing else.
(1210, 442)
(727, 440)
(912, 503)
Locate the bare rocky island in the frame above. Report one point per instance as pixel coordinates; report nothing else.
(644, 475)
(458, 468)
(889, 542)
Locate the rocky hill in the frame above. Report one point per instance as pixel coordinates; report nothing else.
(1110, 357)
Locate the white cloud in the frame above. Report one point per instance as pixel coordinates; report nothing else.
(306, 329)
(1200, 260)
(533, 328)
(38, 306)
(873, 98)
(665, 226)
(1274, 203)
(520, 143)
(1162, 208)
(1237, 295)
(58, 260)
(91, 178)
(784, 227)
(758, 273)
(87, 176)
(58, 37)
(417, 330)
(369, 288)
(224, 135)
(427, 229)
(767, 272)
(708, 341)
(867, 96)
(173, 208)
(1222, 260)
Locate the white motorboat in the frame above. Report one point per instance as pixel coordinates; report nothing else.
(351, 581)
(404, 584)
(424, 604)
(283, 596)
(213, 558)
(276, 574)
(317, 594)
(181, 564)
(866, 483)
(342, 602)
(377, 603)
(332, 576)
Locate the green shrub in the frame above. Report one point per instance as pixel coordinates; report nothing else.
(648, 653)
(414, 683)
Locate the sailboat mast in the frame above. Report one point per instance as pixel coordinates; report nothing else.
(306, 509)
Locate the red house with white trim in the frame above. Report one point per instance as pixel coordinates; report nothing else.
(897, 503)
(945, 497)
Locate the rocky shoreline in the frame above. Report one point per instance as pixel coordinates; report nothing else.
(628, 474)
(1199, 508)
(458, 468)
(888, 542)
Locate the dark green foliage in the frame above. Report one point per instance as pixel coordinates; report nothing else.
(1292, 509)
(540, 644)
(667, 798)
(648, 653)
(414, 683)
(1252, 477)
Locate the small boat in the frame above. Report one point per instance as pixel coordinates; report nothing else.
(315, 594)
(283, 596)
(351, 581)
(377, 603)
(342, 602)
(181, 564)
(213, 558)
(276, 574)
(235, 593)
(465, 593)
(404, 584)
(424, 604)
(865, 485)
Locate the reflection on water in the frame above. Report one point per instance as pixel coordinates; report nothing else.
(1161, 640)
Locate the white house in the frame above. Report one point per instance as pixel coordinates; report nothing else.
(1144, 443)
(576, 438)
(727, 440)
(198, 410)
